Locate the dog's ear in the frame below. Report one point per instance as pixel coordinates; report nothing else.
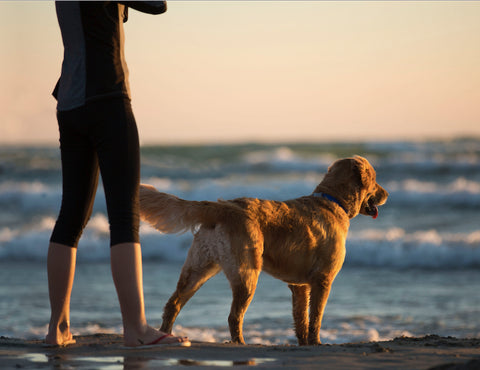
(363, 170)
(349, 169)
(341, 166)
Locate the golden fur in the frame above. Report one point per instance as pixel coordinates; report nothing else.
(300, 241)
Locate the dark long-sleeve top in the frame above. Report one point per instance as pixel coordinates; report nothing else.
(94, 65)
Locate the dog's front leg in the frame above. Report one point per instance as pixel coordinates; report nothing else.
(300, 299)
(318, 300)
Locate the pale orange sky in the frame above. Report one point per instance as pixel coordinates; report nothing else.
(229, 71)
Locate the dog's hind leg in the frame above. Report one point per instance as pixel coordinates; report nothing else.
(191, 279)
(198, 268)
(243, 284)
(242, 271)
(300, 301)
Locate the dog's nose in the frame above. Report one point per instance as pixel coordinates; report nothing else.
(383, 196)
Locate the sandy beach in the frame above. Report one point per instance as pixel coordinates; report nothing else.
(105, 351)
(411, 272)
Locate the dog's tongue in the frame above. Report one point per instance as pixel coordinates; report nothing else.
(375, 212)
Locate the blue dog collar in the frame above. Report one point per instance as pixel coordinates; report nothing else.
(330, 198)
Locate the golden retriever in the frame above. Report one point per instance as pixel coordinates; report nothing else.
(300, 241)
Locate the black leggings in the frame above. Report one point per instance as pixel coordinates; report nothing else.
(100, 135)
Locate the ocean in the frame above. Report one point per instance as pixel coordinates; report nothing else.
(413, 271)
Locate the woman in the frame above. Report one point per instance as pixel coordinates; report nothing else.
(98, 133)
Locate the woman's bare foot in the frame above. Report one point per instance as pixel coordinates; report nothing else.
(152, 337)
(60, 339)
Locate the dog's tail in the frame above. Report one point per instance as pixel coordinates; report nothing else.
(170, 214)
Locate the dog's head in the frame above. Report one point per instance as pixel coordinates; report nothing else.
(352, 181)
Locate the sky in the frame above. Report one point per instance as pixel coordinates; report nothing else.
(265, 71)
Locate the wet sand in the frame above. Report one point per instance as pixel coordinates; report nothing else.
(106, 351)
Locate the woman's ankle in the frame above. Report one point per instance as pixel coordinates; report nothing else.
(145, 336)
(59, 334)
(136, 335)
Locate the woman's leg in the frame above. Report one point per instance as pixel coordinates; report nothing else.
(61, 270)
(119, 160)
(126, 262)
(80, 178)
